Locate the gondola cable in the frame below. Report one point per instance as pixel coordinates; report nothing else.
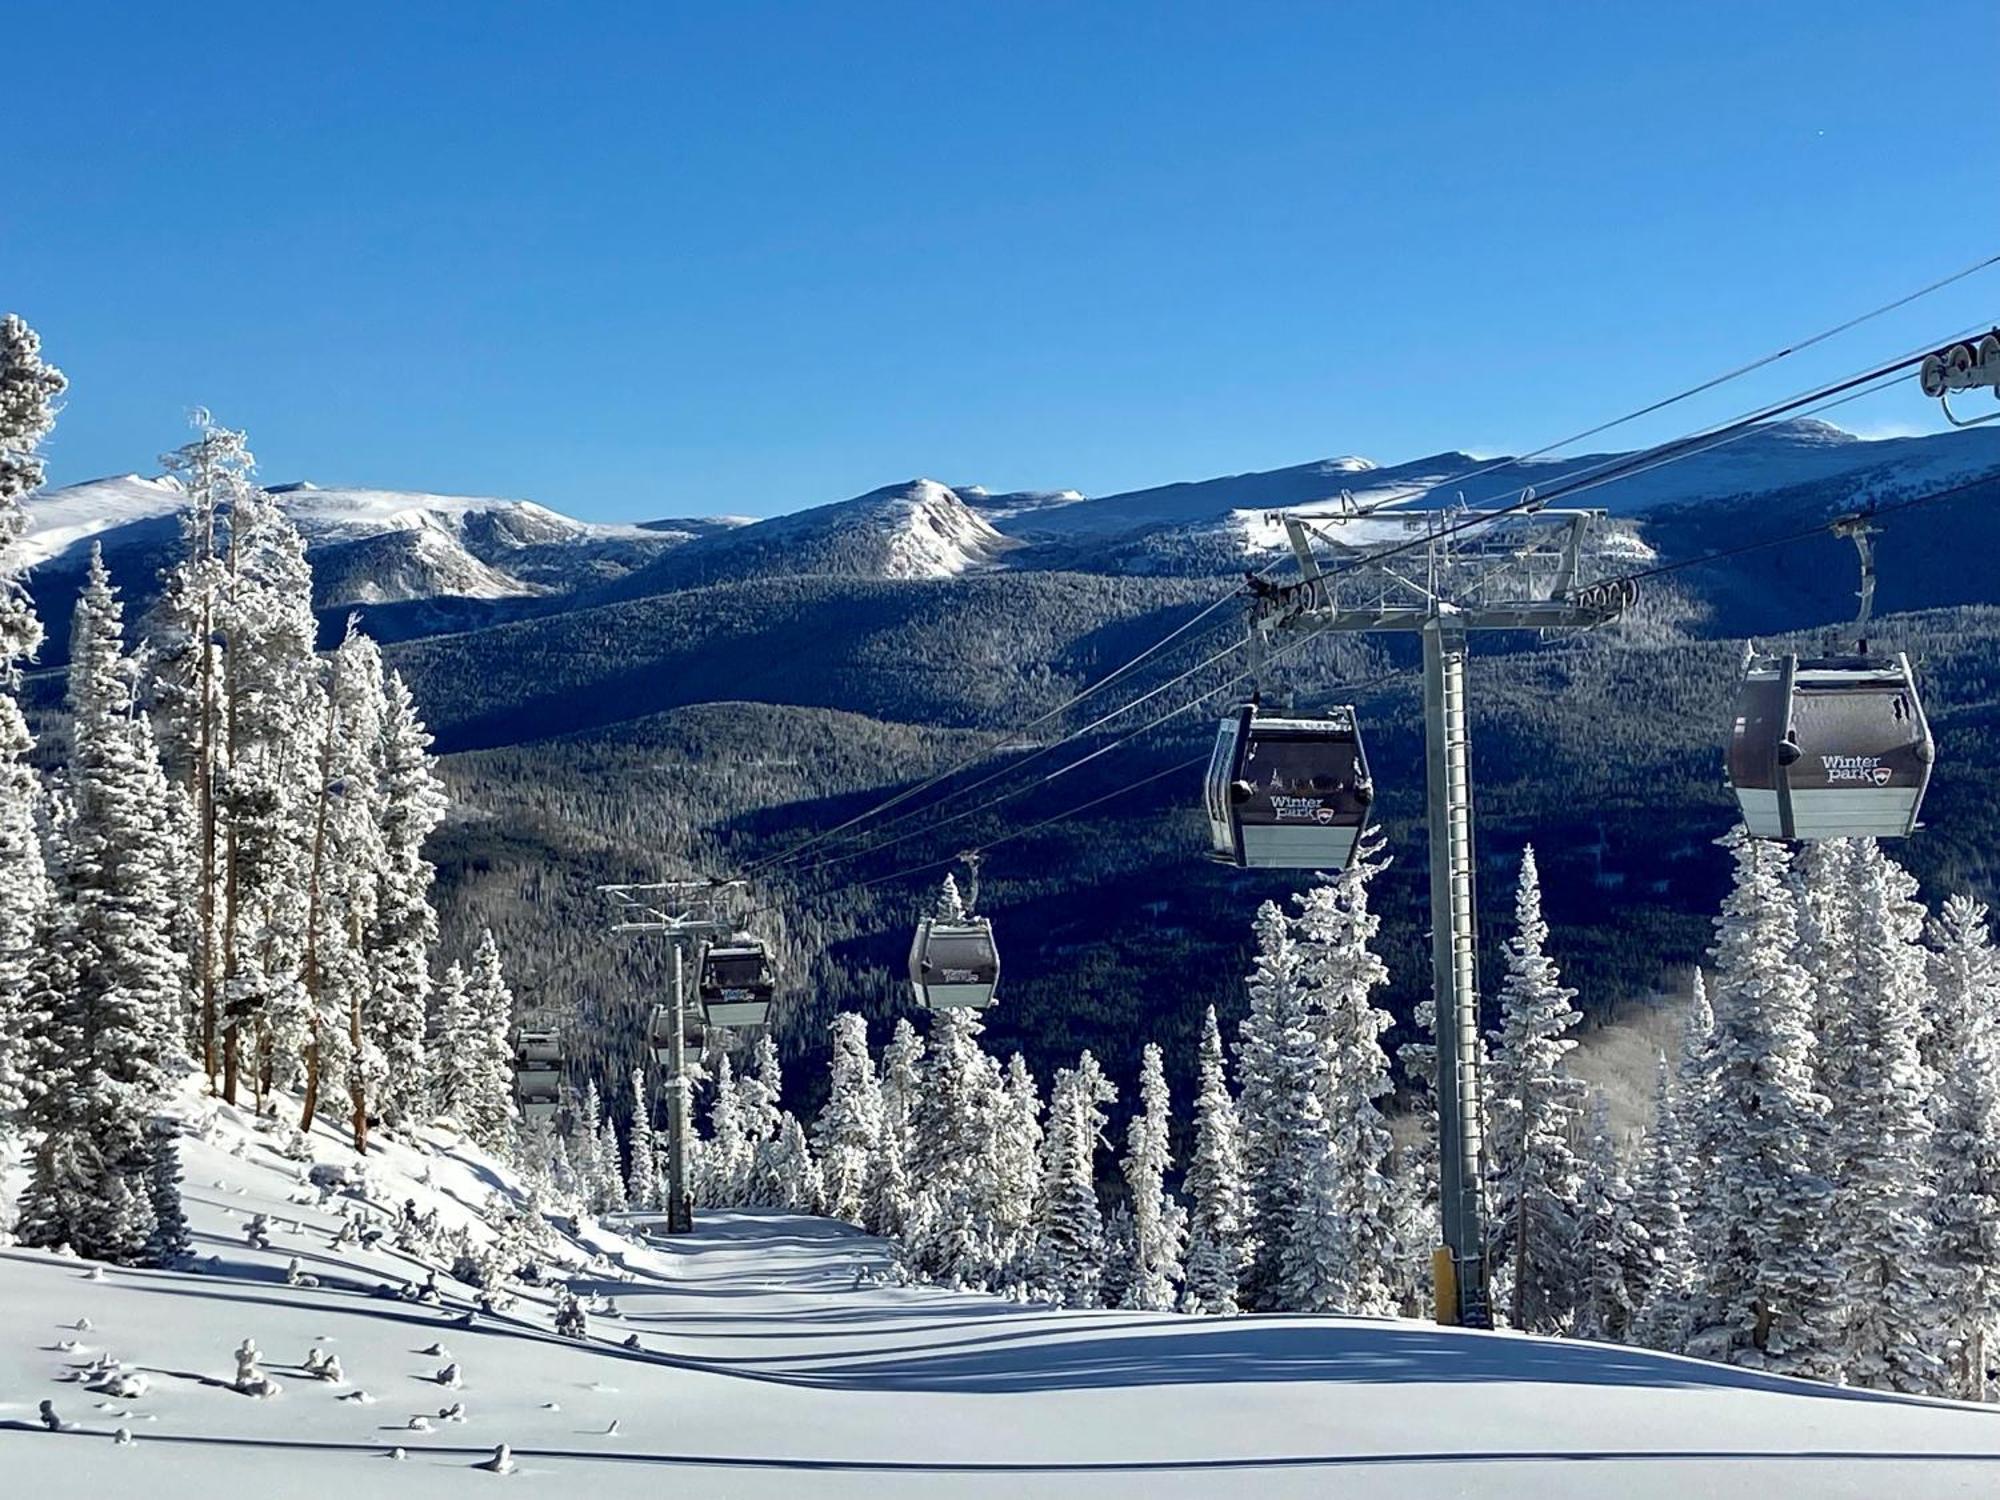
(1699, 388)
(1624, 466)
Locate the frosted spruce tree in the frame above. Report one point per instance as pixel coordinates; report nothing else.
(762, 1091)
(1069, 1222)
(608, 1167)
(1356, 1221)
(1017, 1169)
(642, 1179)
(112, 1029)
(1218, 1214)
(405, 929)
(954, 1125)
(1286, 1142)
(1533, 1107)
(1892, 1323)
(188, 632)
(1764, 1293)
(273, 701)
(889, 1198)
(1965, 984)
(1614, 1253)
(29, 388)
(727, 1154)
(849, 1128)
(343, 882)
(585, 1125)
(170, 1242)
(886, 1200)
(1159, 1223)
(488, 1057)
(453, 1033)
(1661, 1198)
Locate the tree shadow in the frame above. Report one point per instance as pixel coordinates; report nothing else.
(1249, 1350)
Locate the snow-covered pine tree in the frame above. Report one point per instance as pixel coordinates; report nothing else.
(1069, 1223)
(1533, 1106)
(28, 391)
(1416, 1166)
(886, 1201)
(609, 1167)
(1121, 1254)
(1017, 1168)
(187, 633)
(343, 875)
(1159, 1223)
(889, 1201)
(1695, 1066)
(1285, 1136)
(273, 700)
(110, 1033)
(1340, 972)
(1763, 1297)
(642, 1179)
(954, 1122)
(405, 930)
(792, 1177)
(1965, 983)
(1218, 1215)
(762, 1091)
(1614, 1257)
(1894, 1328)
(453, 1028)
(170, 1243)
(488, 1058)
(1660, 1202)
(727, 1156)
(850, 1126)
(586, 1121)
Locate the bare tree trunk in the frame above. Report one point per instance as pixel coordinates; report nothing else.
(357, 1083)
(204, 791)
(1521, 1225)
(315, 885)
(232, 1051)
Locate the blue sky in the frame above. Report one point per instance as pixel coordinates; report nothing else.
(666, 259)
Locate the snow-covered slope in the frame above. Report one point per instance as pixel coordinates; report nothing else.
(373, 546)
(774, 1357)
(921, 529)
(1780, 456)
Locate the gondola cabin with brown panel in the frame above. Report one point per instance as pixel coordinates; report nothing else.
(737, 984)
(954, 965)
(1288, 793)
(1830, 747)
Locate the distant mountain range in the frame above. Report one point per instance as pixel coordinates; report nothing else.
(384, 547)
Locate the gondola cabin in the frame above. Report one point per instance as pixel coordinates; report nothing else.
(737, 984)
(1830, 747)
(1287, 793)
(538, 1074)
(954, 965)
(660, 1034)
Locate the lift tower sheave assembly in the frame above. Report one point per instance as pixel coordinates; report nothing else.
(688, 913)
(1440, 575)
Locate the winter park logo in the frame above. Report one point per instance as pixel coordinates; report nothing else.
(1301, 808)
(1864, 768)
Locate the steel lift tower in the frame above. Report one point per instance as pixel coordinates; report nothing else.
(1440, 574)
(688, 912)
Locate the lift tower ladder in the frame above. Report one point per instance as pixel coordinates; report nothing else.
(1441, 575)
